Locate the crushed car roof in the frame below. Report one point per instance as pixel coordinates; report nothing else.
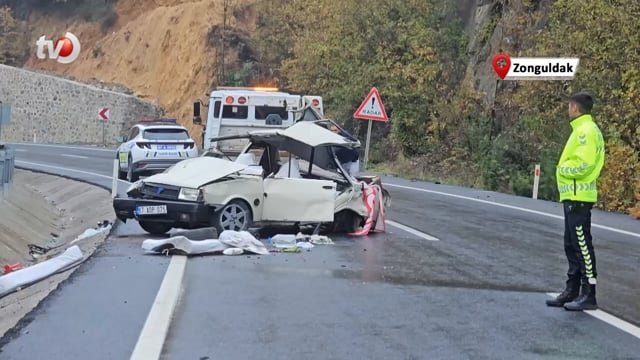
(312, 134)
(309, 133)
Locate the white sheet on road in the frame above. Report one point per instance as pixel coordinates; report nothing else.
(31, 274)
(228, 239)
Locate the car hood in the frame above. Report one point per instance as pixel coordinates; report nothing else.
(193, 173)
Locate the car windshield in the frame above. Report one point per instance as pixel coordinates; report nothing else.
(166, 134)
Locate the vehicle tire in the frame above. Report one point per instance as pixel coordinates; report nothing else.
(235, 215)
(131, 176)
(122, 175)
(155, 228)
(198, 234)
(347, 222)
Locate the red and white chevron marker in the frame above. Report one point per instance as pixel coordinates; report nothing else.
(104, 114)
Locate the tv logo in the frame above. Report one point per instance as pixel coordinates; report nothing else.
(65, 50)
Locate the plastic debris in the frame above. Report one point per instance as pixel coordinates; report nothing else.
(11, 267)
(29, 275)
(305, 245)
(293, 249)
(243, 240)
(232, 251)
(283, 241)
(102, 227)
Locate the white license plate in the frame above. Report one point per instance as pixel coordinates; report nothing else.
(151, 210)
(166, 147)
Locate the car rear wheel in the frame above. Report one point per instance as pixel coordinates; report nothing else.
(131, 176)
(236, 215)
(155, 228)
(122, 175)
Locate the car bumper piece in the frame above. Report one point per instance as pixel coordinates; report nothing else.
(185, 213)
(154, 165)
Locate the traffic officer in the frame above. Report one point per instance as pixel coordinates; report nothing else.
(577, 173)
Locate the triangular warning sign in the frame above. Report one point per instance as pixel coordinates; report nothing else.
(371, 108)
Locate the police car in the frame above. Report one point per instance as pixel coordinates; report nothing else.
(152, 146)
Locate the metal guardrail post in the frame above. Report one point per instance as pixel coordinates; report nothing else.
(7, 168)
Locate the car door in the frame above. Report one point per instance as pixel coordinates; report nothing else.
(122, 153)
(296, 199)
(125, 148)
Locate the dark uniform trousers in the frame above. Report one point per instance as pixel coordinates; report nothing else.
(578, 245)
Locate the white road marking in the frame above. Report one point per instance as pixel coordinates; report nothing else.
(20, 150)
(611, 320)
(415, 232)
(75, 156)
(156, 327)
(619, 231)
(68, 169)
(65, 147)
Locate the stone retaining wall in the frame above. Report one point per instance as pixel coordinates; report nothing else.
(50, 109)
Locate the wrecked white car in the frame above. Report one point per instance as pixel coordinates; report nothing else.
(283, 177)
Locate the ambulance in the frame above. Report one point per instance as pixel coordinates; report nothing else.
(233, 111)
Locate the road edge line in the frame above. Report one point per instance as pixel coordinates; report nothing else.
(512, 207)
(611, 320)
(153, 335)
(413, 231)
(64, 146)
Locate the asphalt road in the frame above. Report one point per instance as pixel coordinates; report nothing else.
(476, 293)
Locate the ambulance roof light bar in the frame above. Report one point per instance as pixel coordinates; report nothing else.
(256, 88)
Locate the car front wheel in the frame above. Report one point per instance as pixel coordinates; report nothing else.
(155, 228)
(235, 215)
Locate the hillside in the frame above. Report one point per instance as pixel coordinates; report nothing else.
(452, 120)
(157, 48)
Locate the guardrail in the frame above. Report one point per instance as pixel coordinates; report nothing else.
(7, 166)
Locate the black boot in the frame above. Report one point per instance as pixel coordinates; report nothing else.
(569, 294)
(586, 300)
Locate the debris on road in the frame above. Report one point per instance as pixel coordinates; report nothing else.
(232, 243)
(29, 275)
(102, 226)
(229, 239)
(206, 233)
(232, 251)
(305, 245)
(282, 241)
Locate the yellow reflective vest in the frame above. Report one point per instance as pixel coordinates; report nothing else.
(581, 161)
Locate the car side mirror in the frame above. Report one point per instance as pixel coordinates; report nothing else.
(121, 139)
(197, 120)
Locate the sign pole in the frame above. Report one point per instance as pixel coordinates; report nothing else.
(104, 127)
(366, 147)
(536, 181)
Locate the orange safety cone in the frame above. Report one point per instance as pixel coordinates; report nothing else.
(11, 267)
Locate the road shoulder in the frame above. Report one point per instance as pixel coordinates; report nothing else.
(38, 206)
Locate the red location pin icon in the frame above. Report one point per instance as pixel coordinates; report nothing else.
(504, 70)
